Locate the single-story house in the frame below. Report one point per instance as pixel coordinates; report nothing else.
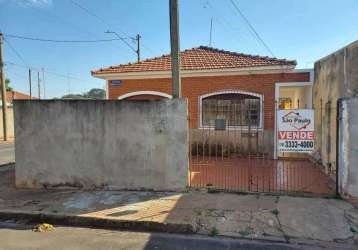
(242, 89)
(11, 95)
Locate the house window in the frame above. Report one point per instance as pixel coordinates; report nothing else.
(238, 109)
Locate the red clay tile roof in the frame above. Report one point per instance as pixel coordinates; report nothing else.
(12, 95)
(201, 58)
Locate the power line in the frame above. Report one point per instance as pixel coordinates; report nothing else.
(28, 65)
(61, 41)
(47, 71)
(16, 52)
(15, 73)
(223, 22)
(104, 22)
(108, 24)
(211, 31)
(95, 15)
(251, 27)
(122, 39)
(54, 17)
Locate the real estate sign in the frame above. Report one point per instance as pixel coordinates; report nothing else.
(295, 130)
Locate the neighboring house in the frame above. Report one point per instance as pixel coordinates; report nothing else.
(217, 78)
(10, 97)
(13, 95)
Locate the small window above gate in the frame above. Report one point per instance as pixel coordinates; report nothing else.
(238, 109)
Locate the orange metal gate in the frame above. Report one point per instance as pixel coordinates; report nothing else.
(241, 160)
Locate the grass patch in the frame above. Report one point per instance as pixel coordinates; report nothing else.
(247, 231)
(213, 232)
(242, 192)
(212, 190)
(353, 230)
(332, 197)
(275, 211)
(198, 212)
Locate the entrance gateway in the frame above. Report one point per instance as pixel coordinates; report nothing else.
(234, 153)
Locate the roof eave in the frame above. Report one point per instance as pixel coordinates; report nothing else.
(195, 73)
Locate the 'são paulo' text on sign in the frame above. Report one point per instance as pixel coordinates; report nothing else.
(295, 130)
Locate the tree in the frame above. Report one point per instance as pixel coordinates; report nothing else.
(94, 93)
(73, 96)
(7, 85)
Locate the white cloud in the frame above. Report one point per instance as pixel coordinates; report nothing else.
(33, 3)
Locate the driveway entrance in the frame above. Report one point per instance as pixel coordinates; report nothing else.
(242, 161)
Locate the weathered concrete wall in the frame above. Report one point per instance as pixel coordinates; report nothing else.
(348, 148)
(336, 76)
(102, 144)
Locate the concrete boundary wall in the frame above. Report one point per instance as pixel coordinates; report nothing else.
(348, 148)
(336, 76)
(111, 145)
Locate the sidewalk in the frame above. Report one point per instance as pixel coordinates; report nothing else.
(282, 218)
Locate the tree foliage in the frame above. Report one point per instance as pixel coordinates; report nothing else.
(7, 85)
(94, 94)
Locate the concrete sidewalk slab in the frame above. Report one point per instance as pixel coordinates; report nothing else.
(249, 216)
(321, 219)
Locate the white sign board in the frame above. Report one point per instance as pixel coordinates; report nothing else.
(295, 130)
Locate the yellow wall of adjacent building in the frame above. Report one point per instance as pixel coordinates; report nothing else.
(10, 123)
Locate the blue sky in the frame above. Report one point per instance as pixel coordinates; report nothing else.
(305, 30)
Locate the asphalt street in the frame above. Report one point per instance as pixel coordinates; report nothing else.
(7, 153)
(19, 236)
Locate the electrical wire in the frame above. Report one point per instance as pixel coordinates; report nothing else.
(109, 25)
(236, 7)
(27, 65)
(220, 18)
(15, 51)
(60, 41)
(95, 15)
(46, 71)
(53, 16)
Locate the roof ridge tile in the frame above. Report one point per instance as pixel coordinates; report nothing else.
(197, 58)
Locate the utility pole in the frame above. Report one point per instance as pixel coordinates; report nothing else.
(68, 84)
(175, 48)
(3, 89)
(38, 85)
(30, 84)
(211, 30)
(43, 83)
(138, 46)
(123, 39)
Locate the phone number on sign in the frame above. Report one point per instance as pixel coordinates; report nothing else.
(298, 144)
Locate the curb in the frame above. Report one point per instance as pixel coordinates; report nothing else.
(149, 226)
(7, 164)
(95, 222)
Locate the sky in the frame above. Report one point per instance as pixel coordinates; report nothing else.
(303, 30)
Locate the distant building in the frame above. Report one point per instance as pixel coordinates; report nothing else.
(13, 95)
(10, 97)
